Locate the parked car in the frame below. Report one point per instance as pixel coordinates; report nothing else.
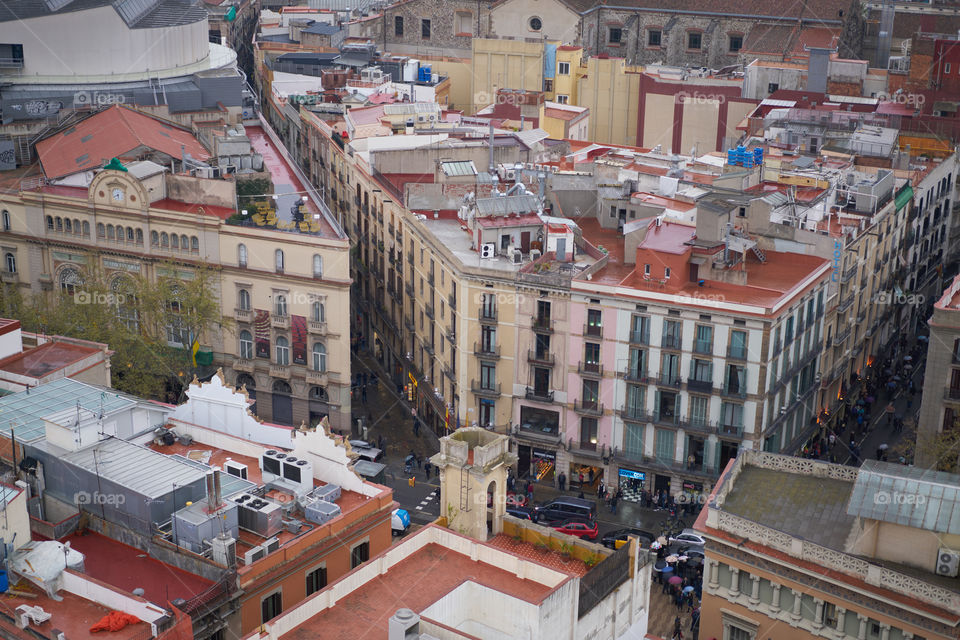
(580, 528)
(399, 521)
(366, 451)
(688, 537)
(565, 509)
(524, 513)
(610, 540)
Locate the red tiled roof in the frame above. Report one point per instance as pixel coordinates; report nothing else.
(113, 133)
(190, 207)
(45, 359)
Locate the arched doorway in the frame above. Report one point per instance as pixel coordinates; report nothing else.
(496, 507)
(245, 380)
(282, 403)
(317, 398)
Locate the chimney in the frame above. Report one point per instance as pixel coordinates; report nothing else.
(213, 490)
(403, 625)
(492, 168)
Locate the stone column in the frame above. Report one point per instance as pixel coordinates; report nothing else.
(734, 581)
(884, 631)
(775, 604)
(714, 573)
(907, 635)
(818, 615)
(862, 634)
(797, 602)
(841, 617)
(755, 590)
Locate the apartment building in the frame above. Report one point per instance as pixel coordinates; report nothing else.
(806, 549)
(940, 407)
(283, 285)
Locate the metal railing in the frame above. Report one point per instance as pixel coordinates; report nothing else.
(702, 386)
(542, 323)
(635, 414)
(595, 330)
(486, 350)
(484, 389)
(737, 353)
(488, 314)
(590, 369)
(539, 395)
(588, 407)
(704, 347)
(542, 357)
(640, 337)
(671, 342)
(602, 579)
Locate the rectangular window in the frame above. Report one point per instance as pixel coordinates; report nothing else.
(398, 26)
(701, 371)
(653, 38)
(425, 29)
(591, 353)
(664, 444)
(591, 393)
(562, 99)
(316, 580)
(946, 68)
(488, 376)
(271, 607)
(772, 87)
(633, 439)
(615, 35)
(588, 433)
(694, 39)
(487, 412)
(359, 554)
(563, 68)
(635, 400)
(638, 364)
(704, 340)
(640, 330)
(736, 43)
(541, 381)
(738, 344)
(672, 331)
(699, 410)
(464, 23)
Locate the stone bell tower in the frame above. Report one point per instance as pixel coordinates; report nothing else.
(473, 464)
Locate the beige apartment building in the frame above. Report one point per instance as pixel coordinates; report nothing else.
(284, 294)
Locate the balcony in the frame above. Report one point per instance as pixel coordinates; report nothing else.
(669, 380)
(316, 378)
(737, 353)
(545, 358)
(409, 289)
(704, 347)
(700, 425)
(588, 407)
(243, 315)
(730, 431)
(849, 273)
(594, 330)
(542, 324)
(671, 342)
(430, 279)
(841, 337)
(317, 328)
(280, 371)
(735, 390)
(452, 301)
(636, 375)
(428, 309)
(488, 390)
(279, 322)
(591, 369)
(700, 386)
(666, 417)
(452, 332)
(429, 348)
(410, 259)
(640, 337)
(246, 366)
(11, 63)
(409, 323)
(635, 414)
(951, 393)
(488, 314)
(539, 395)
(486, 350)
(846, 304)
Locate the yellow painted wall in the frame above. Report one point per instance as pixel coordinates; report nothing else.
(504, 64)
(611, 94)
(460, 72)
(567, 84)
(699, 125)
(658, 122)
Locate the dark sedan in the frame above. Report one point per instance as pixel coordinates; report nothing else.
(610, 539)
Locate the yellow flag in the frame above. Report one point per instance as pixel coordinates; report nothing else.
(193, 351)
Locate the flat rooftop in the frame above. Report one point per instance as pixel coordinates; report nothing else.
(127, 568)
(46, 359)
(804, 506)
(415, 583)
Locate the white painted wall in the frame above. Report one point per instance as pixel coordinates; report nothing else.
(512, 19)
(15, 521)
(80, 585)
(468, 607)
(11, 343)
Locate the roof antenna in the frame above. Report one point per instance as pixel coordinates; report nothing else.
(492, 169)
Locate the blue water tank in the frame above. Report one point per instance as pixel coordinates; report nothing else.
(4, 582)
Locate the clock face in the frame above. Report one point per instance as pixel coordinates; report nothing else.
(118, 195)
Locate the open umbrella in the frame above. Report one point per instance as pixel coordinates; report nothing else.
(908, 367)
(662, 540)
(922, 338)
(907, 358)
(659, 565)
(675, 580)
(656, 545)
(688, 588)
(871, 399)
(683, 558)
(882, 447)
(892, 384)
(672, 558)
(667, 569)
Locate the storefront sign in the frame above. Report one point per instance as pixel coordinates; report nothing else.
(692, 486)
(121, 266)
(540, 453)
(633, 475)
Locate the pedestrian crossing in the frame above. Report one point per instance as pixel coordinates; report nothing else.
(425, 502)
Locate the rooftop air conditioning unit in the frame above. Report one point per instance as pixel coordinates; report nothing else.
(517, 257)
(271, 545)
(253, 555)
(948, 563)
(488, 250)
(235, 469)
(534, 254)
(270, 465)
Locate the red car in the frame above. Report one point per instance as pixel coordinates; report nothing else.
(580, 528)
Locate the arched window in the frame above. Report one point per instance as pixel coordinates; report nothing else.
(243, 300)
(164, 240)
(154, 238)
(86, 229)
(76, 226)
(283, 351)
(110, 232)
(130, 234)
(125, 303)
(174, 241)
(59, 223)
(70, 280)
(139, 236)
(10, 263)
(318, 312)
(178, 335)
(247, 382)
(281, 386)
(50, 223)
(184, 243)
(319, 357)
(318, 393)
(278, 257)
(68, 225)
(242, 255)
(195, 244)
(6, 220)
(246, 345)
(280, 305)
(317, 265)
(120, 233)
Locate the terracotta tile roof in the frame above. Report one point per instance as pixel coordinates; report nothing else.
(544, 557)
(45, 359)
(113, 133)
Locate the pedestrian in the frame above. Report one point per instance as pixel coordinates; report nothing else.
(591, 475)
(580, 478)
(562, 481)
(677, 630)
(529, 492)
(426, 469)
(419, 462)
(613, 504)
(416, 427)
(363, 393)
(380, 442)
